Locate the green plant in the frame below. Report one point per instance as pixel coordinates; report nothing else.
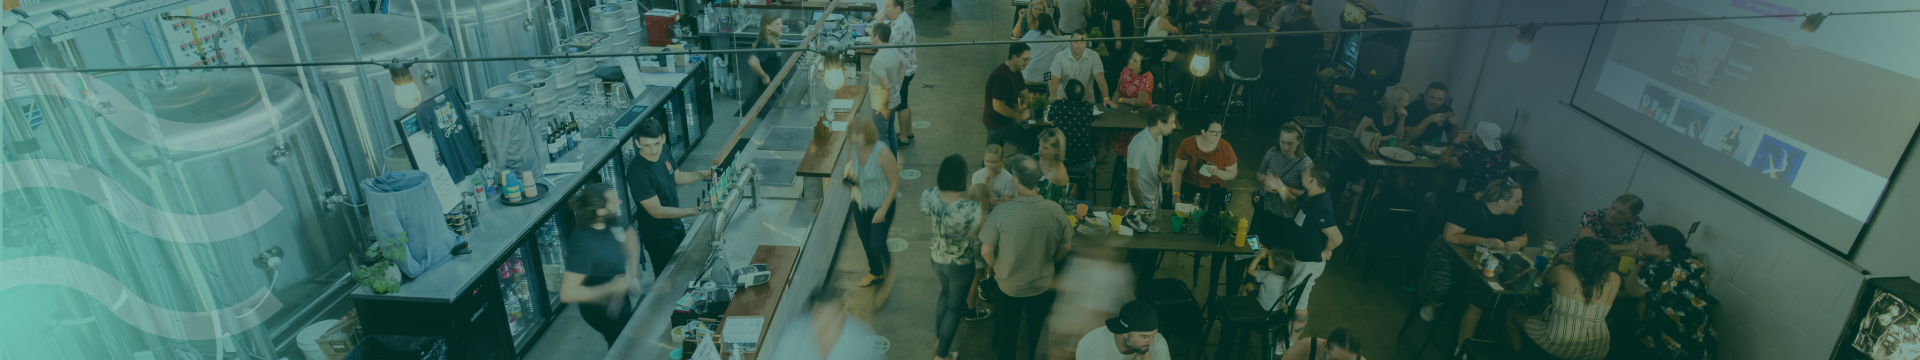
(376, 260)
(1224, 223)
(1038, 102)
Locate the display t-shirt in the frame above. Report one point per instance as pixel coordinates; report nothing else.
(1002, 85)
(1099, 345)
(1221, 157)
(1482, 222)
(654, 179)
(595, 253)
(1314, 217)
(458, 149)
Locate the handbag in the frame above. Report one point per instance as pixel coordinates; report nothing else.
(1369, 138)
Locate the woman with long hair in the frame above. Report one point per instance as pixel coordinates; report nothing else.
(1159, 24)
(1052, 157)
(1575, 326)
(599, 258)
(876, 178)
(1136, 83)
(1389, 115)
(956, 228)
(764, 65)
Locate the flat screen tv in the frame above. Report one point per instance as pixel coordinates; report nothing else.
(1882, 325)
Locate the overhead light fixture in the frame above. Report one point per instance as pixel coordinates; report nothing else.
(405, 92)
(1523, 45)
(1813, 21)
(1202, 57)
(836, 74)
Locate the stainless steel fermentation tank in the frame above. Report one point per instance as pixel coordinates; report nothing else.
(287, 163)
(362, 96)
(486, 28)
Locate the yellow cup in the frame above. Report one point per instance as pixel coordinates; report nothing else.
(1626, 264)
(1117, 218)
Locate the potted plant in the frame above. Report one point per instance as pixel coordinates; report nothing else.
(375, 268)
(1038, 103)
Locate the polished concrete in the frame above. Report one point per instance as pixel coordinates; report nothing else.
(947, 93)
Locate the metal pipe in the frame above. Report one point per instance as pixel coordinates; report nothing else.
(972, 43)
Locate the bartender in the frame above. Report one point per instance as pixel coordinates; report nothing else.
(599, 255)
(653, 181)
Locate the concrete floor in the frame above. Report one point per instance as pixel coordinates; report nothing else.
(947, 94)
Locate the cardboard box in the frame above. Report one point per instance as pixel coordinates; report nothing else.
(340, 339)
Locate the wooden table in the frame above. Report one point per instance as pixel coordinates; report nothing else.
(764, 300)
(825, 149)
(1524, 283)
(1166, 240)
(1127, 117)
(1377, 168)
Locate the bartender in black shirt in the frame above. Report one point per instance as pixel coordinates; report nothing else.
(654, 183)
(599, 254)
(1431, 118)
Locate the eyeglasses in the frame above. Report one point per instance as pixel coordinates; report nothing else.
(1213, 132)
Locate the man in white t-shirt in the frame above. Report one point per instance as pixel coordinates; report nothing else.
(1135, 334)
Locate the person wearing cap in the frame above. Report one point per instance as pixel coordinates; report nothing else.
(1135, 334)
(1487, 159)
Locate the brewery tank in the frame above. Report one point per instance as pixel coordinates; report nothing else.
(288, 162)
(375, 37)
(487, 28)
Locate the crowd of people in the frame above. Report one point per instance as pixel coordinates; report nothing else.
(1000, 232)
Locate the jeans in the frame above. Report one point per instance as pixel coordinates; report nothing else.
(888, 134)
(1009, 311)
(873, 238)
(609, 327)
(954, 280)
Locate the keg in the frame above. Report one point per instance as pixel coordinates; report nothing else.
(544, 96)
(564, 84)
(630, 11)
(607, 19)
(512, 94)
(582, 67)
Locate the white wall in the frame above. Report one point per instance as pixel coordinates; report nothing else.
(1783, 297)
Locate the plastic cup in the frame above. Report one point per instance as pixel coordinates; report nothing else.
(1177, 222)
(1626, 264)
(1080, 210)
(1118, 218)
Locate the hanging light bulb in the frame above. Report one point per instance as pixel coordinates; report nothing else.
(836, 75)
(405, 92)
(1202, 59)
(1813, 21)
(1522, 45)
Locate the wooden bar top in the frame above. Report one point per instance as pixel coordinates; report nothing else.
(825, 149)
(764, 300)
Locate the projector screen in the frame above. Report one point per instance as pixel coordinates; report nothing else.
(1806, 126)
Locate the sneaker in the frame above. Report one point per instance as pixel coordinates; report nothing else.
(906, 144)
(1426, 313)
(979, 314)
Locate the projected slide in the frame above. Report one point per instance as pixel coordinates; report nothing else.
(1807, 126)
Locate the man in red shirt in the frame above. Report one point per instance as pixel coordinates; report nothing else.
(1005, 105)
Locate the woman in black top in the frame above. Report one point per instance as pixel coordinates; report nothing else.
(764, 64)
(598, 257)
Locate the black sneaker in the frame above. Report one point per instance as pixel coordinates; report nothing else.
(906, 144)
(978, 314)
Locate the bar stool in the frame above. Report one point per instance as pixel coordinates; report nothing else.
(1238, 313)
(1236, 94)
(1389, 245)
(1447, 313)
